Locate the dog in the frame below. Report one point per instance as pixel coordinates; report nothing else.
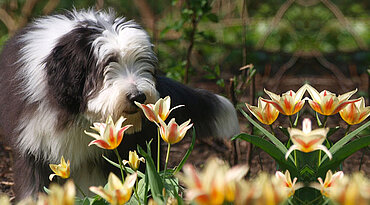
(63, 72)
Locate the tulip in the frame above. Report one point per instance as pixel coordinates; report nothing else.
(330, 182)
(355, 112)
(351, 190)
(266, 113)
(159, 110)
(115, 192)
(327, 103)
(216, 184)
(289, 103)
(173, 133)
(286, 180)
(62, 169)
(306, 140)
(133, 160)
(61, 195)
(110, 134)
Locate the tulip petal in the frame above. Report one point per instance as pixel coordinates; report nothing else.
(323, 148)
(343, 104)
(347, 95)
(272, 95)
(100, 143)
(315, 95)
(293, 147)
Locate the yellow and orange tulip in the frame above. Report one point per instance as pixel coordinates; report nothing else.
(289, 185)
(116, 193)
(173, 133)
(159, 110)
(327, 103)
(133, 160)
(289, 103)
(330, 181)
(62, 169)
(355, 112)
(110, 133)
(266, 113)
(306, 140)
(216, 184)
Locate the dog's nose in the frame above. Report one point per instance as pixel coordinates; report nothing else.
(136, 96)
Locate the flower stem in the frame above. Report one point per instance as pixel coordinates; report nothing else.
(295, 158)
(80, 190)
(168, 154)
(319, 158)
(120, 164)
(325, 120)
(347, 129)
(135, 191)
(290, 120)
(272, 130)
(159, 151)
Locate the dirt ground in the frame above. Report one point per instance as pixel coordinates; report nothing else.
(206, 148)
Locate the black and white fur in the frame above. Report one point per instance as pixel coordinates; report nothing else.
(62, 73)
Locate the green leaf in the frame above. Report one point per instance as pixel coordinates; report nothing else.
(129, 170)
(296, 120)
(344, 152)
(212, 17)
(318, 120)
(187, 154)
(345, 139)
(273, 139)
(154, 180)
(270, 149)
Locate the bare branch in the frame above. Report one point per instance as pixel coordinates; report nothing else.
(277, 18)
(50, 6)
(9, 22)
(343, 20)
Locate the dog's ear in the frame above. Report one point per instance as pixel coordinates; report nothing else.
(68, 66)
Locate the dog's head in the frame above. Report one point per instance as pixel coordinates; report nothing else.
(97, 65)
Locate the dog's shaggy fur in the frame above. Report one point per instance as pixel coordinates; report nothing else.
(63, 72)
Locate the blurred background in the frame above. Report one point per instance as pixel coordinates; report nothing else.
(236, 48)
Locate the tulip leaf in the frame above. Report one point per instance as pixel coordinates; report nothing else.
(343, 153)
(270, 149)
(318, 120)
(296, 120)
(154, 180)
(273, 139)
(337, 146)
(187, 154)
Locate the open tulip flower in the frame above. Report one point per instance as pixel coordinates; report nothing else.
(266, 113)
(116, 193)
(110, 134)
(287, 182)
(159, 110)
(306, 140)
(174, 133)
(62, 169)
(355, 112)
(214, 185)
(330, 181)
(289, 103)
(327, 103)
(133, 160)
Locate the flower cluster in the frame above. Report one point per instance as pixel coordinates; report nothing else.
(326, 103)
(345, 189)
(116, 192)
(219, 184)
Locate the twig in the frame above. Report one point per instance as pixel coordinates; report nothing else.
(274, 22)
